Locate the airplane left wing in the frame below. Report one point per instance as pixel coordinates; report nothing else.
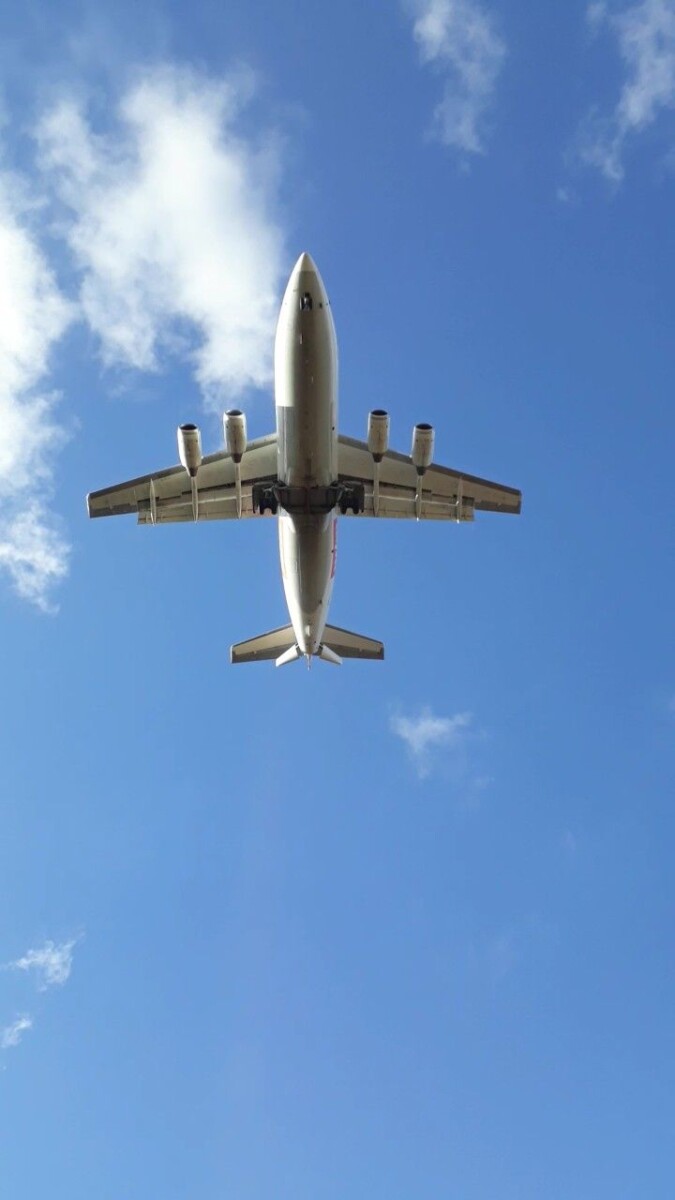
(169, 495)
(391, 488)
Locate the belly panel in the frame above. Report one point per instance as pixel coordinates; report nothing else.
(306, 547)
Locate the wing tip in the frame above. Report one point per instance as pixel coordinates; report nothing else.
(93, 511)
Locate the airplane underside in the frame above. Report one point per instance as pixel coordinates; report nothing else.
(306, 475)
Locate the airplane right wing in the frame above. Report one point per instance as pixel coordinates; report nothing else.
(445, 494)
(168, 495)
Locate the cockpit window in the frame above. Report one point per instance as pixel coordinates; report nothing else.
(306, 302)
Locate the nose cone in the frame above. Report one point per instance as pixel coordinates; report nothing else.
(305, 264)
(305, 278)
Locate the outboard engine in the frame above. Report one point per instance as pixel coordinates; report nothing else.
(190, 448)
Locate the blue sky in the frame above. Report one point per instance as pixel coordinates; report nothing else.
(402, 929)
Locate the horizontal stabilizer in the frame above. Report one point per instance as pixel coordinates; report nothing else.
(289, 655)
(268, 645)
(351, 645)
(329, 655)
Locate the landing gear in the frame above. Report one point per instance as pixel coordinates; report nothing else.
(265, 500)
(352, 497)
(313, 501)
(268, 502)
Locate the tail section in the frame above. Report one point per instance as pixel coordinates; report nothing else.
(281, 645)
(277, 644)
(344, 644)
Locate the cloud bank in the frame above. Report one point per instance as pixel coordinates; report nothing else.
(645, 35)
(460, 38)
(168, 216)
(33, 316)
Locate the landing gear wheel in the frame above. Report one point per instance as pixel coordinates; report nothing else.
(268, 501)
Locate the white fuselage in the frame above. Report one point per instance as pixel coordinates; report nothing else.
(306, 397)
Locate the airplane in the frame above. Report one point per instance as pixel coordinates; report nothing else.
(306, 473)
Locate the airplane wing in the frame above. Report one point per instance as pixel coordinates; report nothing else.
(168, 495)
(446, 495)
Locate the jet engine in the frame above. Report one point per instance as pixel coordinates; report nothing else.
(235, 433)
(190, 448)
(422, 447)
(378, 433)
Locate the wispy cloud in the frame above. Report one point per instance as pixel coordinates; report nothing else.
(565, 195)
(51, 963)
(645, 34)
(427, 733)
(596, 14)
(460, 38)
(168, 213)
(33, 316)
(11, 1035)
(569, 843)
(502, 954)
(496, 955)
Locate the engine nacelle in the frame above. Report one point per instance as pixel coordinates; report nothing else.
(378, 433)
(190, 448)
(422, 447)
(234, 422)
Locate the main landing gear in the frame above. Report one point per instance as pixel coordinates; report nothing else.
(265, 499)
(269, 497)
(352, 496)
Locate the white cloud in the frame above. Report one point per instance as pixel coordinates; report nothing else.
(11, 1034)
(34, 552)
(168, 214)
(461, 39)
(645, 33)
(33, 316)
(425, 733)
(51, 963)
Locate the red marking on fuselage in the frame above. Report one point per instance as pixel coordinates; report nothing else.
(333, 552)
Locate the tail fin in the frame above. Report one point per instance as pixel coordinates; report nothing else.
(351, 645)
(275, 644)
